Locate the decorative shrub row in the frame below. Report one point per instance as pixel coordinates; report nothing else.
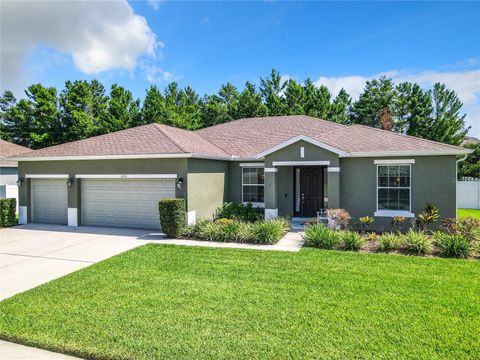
(228, 230)
(172, 216)
(240, 212)
(459, 243)
(7, 212)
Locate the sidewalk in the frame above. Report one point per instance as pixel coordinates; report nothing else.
(11, 351)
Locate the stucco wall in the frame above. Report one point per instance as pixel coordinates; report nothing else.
(311, 153)
(206, 186)
(432, 181)
(8, 175)
(72, 168)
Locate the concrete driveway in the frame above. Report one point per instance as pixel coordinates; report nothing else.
(33, 254)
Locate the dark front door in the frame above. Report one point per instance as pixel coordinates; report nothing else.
(311, 190)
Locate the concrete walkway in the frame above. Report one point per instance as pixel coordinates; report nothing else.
(292, 242)
(11, 351)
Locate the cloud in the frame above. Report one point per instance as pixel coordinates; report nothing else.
(465, 83)
(154, 4)
(98, 35)
(155, 74)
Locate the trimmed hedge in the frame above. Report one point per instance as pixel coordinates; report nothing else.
(7, 212)
(240, 212)
(172, 216)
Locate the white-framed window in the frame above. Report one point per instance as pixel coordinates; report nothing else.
(394, 189)
(253, 184)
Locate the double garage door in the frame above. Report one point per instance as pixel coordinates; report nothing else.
(104, 202)
(124, 203)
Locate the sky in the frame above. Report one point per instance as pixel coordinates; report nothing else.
(206, 44)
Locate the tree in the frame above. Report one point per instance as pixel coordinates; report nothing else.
(470, 167)
(378, 97)
(230, 97)
(250, 103)
(339, 109)
(153, 109)
(271, 89)
(448, 124)
(294, 98)
(82, 104)
(316, 100)
(8, 119)
(41, 116)
(413, 109)
(122, 110)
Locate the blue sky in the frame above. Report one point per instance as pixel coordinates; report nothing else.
(205, 44)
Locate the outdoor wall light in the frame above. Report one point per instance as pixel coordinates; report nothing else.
(69, 182)
(179, 183)
(19, 182)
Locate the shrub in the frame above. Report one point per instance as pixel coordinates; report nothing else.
(469, 228)
(240, 212)
(416, 243)
(194, 231)
(172, 216)
(223, 221)
(8, 212)
(352, 240)
(321, 236)
(371, 236)
(428, 216)
(397, 222)
(453, 245)
(269, 232)
(389, 242)
(339, 217)
(365, 222)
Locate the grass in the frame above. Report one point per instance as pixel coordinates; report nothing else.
(462, 213)
(184, 302)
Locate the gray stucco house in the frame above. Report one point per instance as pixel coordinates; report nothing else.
(291, 165)
(9, 168)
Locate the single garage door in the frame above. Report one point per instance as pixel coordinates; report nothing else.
(49, 201)
(124, 202)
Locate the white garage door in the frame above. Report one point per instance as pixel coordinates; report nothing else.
(49, 201)
(124, 202)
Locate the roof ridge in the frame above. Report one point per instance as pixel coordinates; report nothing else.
(159, 128)
(409, 136)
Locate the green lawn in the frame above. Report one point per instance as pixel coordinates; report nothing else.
(462, 213)
(170, 302)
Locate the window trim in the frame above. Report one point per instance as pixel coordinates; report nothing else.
(254, 204)
(389, 212)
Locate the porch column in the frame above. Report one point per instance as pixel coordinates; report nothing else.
(333, 185)
(271, 207)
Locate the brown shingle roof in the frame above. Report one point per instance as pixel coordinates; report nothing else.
(241, 138)
(8, 149)
(142, 140)
(248, 137)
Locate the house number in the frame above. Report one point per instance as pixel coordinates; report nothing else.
(123, 176)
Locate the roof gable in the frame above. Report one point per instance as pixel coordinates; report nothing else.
(297, 139)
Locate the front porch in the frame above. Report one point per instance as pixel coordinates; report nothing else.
(301, 189)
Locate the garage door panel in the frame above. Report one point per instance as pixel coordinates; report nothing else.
(49, 201)
(124, 202)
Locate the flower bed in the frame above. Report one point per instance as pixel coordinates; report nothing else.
(228, 230)
(458, 238)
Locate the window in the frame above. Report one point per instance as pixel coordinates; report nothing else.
(393, 188)
(253, 179)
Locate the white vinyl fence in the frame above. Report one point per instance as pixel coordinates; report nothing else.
(468, 194)
(9, 191)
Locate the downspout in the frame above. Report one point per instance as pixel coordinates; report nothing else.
(456, 184)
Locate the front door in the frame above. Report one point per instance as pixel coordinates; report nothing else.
(309, 191)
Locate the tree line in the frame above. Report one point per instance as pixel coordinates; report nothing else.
(46, 116)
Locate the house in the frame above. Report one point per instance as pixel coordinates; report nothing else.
(291, 165)
(9, 169)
